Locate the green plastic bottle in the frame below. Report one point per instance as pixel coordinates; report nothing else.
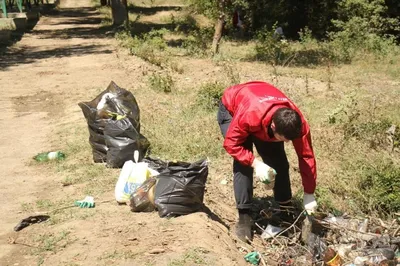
(49, 156)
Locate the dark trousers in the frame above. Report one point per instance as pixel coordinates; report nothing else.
(272, 153)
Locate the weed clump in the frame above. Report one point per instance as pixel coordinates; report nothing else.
(198, 42)
(161, 82)
(379, 189)
(210, 94)
(146, 46)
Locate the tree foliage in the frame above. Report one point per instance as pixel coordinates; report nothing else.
(373, 16)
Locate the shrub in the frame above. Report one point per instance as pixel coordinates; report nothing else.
(146, 46)
(210, 94)
(356, 122)
(272, 50)
(161, 82)
(198, 42)
(185, 23)
(361, 28)
(310, 51)
(379, 189)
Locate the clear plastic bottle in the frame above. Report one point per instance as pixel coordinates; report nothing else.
(270, 182)
(49, 156)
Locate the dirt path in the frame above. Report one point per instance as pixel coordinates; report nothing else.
(43, 76)
(65, 59)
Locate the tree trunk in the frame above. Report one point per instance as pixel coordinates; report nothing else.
(219, 26)
(125, 3)
(119, 11)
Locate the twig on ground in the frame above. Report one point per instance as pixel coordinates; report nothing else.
(292, 225)
(303, 247)
(262, 259)
(396, 231)
(383, 224)
(13, 241)
(67, 207)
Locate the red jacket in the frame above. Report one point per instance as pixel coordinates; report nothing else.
(252, 106)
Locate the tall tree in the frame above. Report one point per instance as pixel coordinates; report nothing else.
(219, 26)
(119, 10)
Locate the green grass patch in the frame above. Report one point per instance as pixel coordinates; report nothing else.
(117, 255)
(162, 82)
(52, 242)
(148, 46)
(379, 189)
(193, 256)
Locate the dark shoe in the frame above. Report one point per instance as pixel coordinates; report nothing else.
(243, 228)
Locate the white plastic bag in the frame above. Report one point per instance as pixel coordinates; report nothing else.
(270, 232)
(133, 174)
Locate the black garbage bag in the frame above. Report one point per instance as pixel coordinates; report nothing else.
(113, 119)
(122, 139)
(180, 186)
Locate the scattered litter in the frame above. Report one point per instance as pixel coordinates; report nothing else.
(270, 231)
(49, 156)
(31, 220)
(142, 200)
(325, 239)
(253, 257)
(332, 258)
(87, 202)
(224, 182)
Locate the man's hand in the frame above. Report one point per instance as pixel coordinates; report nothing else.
(264, 173)
(310, 204)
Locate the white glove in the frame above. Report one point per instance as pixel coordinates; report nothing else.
(264, 173)
(310, 204)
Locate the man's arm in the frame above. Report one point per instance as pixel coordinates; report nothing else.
(307, 164)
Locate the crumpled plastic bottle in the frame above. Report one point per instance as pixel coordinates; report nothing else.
(270, 182)
(48, 156)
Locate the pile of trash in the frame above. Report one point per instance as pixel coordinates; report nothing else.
(113, 119)
(325, 239)
(173, 188)
(146, 184)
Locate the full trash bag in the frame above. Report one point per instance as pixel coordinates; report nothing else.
(180, 186)
(113, 119)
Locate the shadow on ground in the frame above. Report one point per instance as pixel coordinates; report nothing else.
(152, 10)
(29, 55)
(68, 17)
(214, 216)
(16, 36)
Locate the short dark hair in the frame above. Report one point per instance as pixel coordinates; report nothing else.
(287, 123)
